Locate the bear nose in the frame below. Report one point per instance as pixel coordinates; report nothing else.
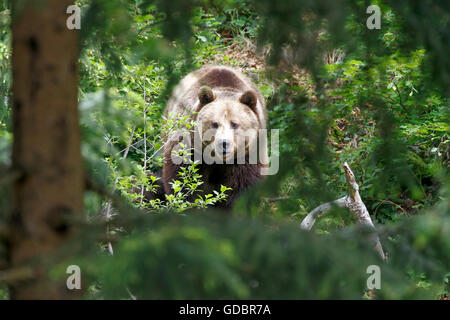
(224, 144)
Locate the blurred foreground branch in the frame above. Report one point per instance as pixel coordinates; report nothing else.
(352, 202)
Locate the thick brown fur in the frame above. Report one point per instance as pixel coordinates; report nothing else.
(230, 89)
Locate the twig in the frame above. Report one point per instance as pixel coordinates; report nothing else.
(387, 201)
(145, 148)
(127, 149)
(400, 98)
(276, 199)
(132, 296)
(108, 213)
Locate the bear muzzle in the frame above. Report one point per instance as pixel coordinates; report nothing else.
(224, 147)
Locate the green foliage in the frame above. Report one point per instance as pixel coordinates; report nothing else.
(379, 102)
(219, 257)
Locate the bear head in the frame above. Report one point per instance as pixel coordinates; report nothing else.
(227, 124)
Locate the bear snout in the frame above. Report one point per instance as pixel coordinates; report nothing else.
(224, 146)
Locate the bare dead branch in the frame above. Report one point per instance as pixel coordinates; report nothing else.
(310, 219)
(354, 204)
(359, 210)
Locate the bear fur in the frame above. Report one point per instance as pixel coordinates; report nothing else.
(225, 102)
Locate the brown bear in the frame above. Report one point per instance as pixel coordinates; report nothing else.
(227, 111)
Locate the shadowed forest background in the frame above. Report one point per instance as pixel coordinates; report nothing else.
(81, 114)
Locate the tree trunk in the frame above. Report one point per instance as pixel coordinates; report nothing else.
(46, 147)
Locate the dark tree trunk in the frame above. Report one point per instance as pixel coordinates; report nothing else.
(46, 147)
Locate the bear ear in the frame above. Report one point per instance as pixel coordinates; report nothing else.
(249, 99)
(205, 95)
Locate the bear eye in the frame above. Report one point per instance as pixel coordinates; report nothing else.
(234, 125)
(214, 125)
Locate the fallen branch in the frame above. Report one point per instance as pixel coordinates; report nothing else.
(353, 203)
(310, 219)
